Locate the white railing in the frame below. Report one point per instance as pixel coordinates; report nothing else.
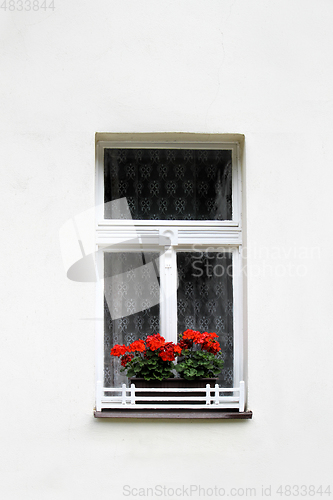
(130, 398)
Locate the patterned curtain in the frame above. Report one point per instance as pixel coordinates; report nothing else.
(170, 184)
(131, 305)
(205, 300)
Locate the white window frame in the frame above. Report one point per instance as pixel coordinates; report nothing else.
(182, 234)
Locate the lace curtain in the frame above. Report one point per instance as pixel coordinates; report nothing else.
(170, 184)
(205, 300)
(132, 296)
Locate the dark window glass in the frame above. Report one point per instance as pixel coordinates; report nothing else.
(170, 184)
(131, 304)
(205, 300)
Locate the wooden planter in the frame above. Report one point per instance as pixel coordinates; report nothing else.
(174, 383)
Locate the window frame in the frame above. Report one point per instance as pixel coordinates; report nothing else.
(226, 234)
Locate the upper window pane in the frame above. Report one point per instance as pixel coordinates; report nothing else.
(170, 184)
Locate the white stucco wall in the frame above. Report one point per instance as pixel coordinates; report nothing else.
(263, 69)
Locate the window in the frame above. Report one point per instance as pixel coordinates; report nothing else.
(169, 234)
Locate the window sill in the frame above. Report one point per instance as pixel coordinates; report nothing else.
(172, 414)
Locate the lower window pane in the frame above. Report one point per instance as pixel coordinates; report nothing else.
(205, 300)
(131, 304)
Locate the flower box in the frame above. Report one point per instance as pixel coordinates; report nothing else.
(173, 383)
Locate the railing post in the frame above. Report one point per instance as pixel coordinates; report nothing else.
(217, 394)
(99, 388)
(132, 394)
(123, 394)
(207, 394)
(241, 396)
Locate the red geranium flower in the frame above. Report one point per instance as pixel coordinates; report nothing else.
(185, 344)
(211, 346)
(167, 356)
(189, 334)
(118, 350)
(155, 342)
(177, 349)
(200, 338)
(126, 359)
(137, 345)
(167, 352)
